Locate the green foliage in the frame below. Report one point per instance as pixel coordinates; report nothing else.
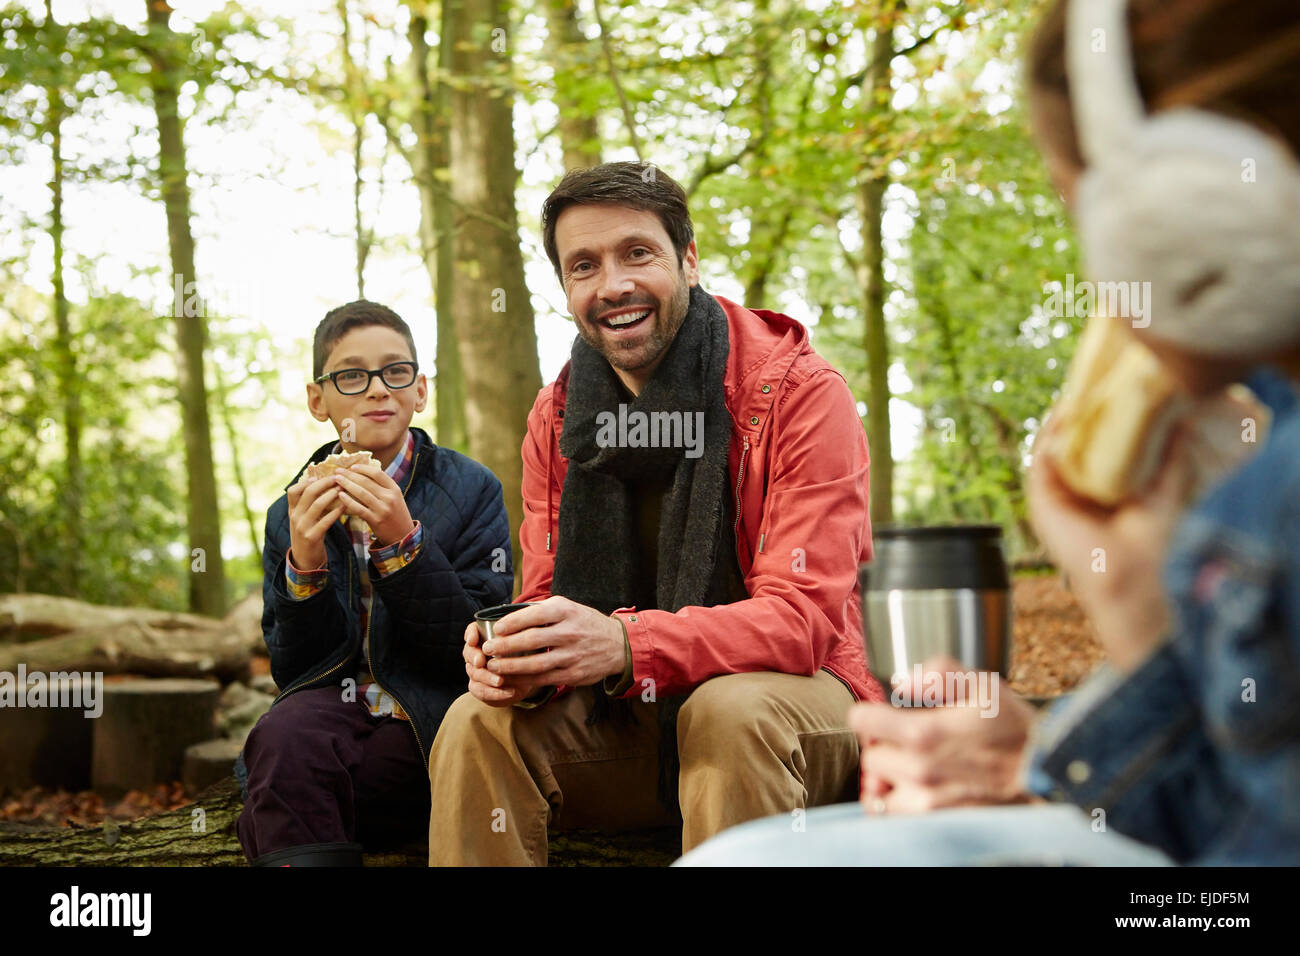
(768, 104)
(132, 503)
(133, 512)
(761, 109)
(988, 233)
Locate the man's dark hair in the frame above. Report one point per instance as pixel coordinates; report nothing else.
(635, 185)
(359, 314)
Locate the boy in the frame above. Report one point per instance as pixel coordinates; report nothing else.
(372, 573)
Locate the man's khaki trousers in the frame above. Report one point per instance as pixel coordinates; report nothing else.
(750, 745)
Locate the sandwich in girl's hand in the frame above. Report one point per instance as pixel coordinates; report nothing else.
(1110, 431)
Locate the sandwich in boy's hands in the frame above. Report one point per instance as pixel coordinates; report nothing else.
(366, 490)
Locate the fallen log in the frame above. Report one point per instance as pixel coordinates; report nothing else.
(28, 617)
(31, 617)
(245, 619)
(132, 647)
(203, 834)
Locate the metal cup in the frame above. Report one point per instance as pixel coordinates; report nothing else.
(936, 590)
(487, 618)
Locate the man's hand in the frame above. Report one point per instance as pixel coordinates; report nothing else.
(1114, 559)
(368, 492)
(917, 759)
(313, 509)
(579, 645)
(486, 686)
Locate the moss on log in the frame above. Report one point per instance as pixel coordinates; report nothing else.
(186, 837)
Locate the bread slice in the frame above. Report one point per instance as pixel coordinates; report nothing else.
(1115, 416)
(331, 464)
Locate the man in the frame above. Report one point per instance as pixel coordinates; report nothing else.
(695, 511)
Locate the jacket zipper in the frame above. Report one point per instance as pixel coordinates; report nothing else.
(366, 641)
(311, 680)
(740, 476)
(410, 718)
(371, 667)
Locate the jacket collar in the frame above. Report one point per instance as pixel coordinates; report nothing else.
(763, 347)
(1274, 389)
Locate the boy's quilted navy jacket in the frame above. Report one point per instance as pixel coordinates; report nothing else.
(418, 614)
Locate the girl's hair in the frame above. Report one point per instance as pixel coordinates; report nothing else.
(1240, 58)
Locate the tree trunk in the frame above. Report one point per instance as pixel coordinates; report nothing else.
(223, 410)
(357, 117)
(207, 573)
(928, 278)
(429, 162)
(579, 133)
(20, 553)
(494, 317)
(875, 340)
(756, 284)
(72, 492)
(1009, 437)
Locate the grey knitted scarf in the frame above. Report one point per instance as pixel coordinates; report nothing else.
(610, 451)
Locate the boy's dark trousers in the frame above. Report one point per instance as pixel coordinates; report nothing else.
(326, 777)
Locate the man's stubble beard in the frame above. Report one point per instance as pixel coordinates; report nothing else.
(660, 338)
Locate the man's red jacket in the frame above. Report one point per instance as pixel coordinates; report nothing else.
(798, 466)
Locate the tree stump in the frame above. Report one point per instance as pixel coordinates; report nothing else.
(208, 762)
(44, 747)
(141, 737)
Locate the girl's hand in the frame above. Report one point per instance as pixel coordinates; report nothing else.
(1114, 559)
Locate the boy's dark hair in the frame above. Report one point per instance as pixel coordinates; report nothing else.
(339, 322)
(635, 185)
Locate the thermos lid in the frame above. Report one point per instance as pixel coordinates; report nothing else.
(936, 557)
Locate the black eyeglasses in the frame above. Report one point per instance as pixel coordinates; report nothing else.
(354, 381)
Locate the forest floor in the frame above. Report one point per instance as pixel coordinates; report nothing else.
(1054, 649)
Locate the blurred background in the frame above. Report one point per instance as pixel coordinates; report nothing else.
(185, 191)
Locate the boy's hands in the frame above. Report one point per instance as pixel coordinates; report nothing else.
(362, 490)
(368, 492)
(313, 507)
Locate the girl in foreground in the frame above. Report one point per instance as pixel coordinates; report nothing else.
(1188, 741)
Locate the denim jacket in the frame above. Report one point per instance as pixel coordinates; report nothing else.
(1198, 751)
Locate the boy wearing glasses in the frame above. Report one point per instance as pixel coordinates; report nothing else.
(372, 574)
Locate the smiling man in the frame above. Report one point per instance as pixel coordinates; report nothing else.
(697, 642)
